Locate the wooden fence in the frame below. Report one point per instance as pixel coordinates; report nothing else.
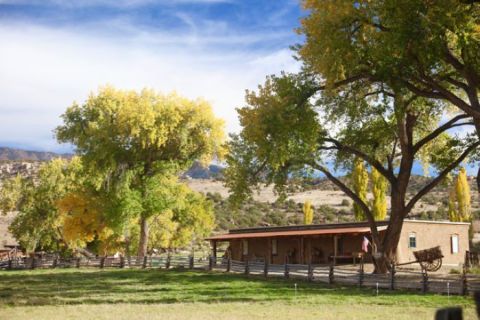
(460, 284)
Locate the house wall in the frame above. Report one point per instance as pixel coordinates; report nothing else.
(430, 234)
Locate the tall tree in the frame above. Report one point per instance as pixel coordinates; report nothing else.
(134, 138)
(379, 190)
(359, 186)
(429, 49)
(307, 212)
(462, 198)
(288, 128)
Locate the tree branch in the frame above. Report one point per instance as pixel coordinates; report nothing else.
(375, 163)
(439, 178)
(354, 197)
(447, 125)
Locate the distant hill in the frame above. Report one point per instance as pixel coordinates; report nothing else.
(197, 171)
(11, 154)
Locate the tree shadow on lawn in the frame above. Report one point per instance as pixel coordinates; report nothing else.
(110, 286)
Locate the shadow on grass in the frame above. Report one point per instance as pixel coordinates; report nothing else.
(94, 286)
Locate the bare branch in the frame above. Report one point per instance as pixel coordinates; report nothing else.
(439, 178)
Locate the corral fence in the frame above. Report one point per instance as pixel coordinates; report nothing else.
(350, 275)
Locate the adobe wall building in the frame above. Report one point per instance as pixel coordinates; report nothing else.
(342, 242)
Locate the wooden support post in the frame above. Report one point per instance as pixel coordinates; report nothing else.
(210, 263)
(191, 262)
(145, 260)
(122, 262)
(360, 275)
(102, 262)
(310, 272)
(247, 268)
(78, 263)
(33, 266)
(335, 249)
(55, 263)
(286, 273)
(424, 281)
(331, 274)
(302, 250)
(10, 264)
(265, 269)
(214, 249)
(392, 276)
(229, 264)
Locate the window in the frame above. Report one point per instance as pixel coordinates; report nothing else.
(245, 247)
(412, 240)
(274, 247)
(454, 242)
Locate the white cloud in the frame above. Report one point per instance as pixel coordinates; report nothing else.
(44, 70)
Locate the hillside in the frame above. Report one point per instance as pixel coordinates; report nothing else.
(11, 154)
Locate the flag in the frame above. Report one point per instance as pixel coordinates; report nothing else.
(365, 244)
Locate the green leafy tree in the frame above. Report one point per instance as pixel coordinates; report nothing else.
(136, 139)
(359, 186)
(431, 50)
(38, 223)
(379, 190)
(307, 212)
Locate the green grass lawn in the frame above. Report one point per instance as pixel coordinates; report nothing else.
(160, 294)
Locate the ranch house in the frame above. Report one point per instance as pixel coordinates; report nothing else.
(341, 242)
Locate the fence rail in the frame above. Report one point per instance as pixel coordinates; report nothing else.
(460, 284)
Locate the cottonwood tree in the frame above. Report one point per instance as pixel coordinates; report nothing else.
(133, 139)
(430, 49)
(38, 223)
(307, 212)
(459, 199)
(379, 191)
(359, 186)
(287, 128)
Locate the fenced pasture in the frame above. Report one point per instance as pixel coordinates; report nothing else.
(154, 293)
(347, 275)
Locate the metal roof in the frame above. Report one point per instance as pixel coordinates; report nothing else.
(287, 233)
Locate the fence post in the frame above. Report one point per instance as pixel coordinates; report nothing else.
(247, 268)
(310, 272)
(265, 269)
(331, 274)
(210, 263)
(167, 263)
(191, 262)
(424, 281)
(229, 264)
(10, 264)
(286, 273)
(33, 263)
(145, 260)
(392, 277)
(55, 262)
(464, 284)
(122, 262)
(102, 262)
(78, 263)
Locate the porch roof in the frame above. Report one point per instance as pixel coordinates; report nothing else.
(289, 233)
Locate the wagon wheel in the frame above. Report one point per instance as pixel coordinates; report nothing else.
(433, 265)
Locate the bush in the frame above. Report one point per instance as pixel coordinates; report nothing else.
(345, 203)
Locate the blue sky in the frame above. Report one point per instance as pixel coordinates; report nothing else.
(55, 52)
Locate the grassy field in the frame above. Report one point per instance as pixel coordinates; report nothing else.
(160, 294)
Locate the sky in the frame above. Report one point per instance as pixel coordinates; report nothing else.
(56, 52)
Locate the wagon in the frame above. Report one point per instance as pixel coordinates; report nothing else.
(429, 259)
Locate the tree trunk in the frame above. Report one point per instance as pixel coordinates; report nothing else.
(143, 243)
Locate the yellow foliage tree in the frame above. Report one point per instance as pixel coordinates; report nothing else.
(360, 186)
(379, 189)
(307, 212)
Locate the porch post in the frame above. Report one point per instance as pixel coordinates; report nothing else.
(268, 258)
(309, 250)
(214, 249)
(335, 249)
(302, 252)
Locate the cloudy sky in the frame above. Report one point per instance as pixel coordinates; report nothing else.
(54, 52)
